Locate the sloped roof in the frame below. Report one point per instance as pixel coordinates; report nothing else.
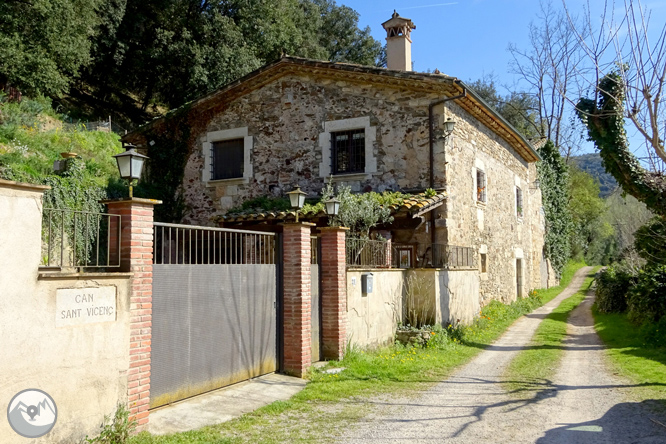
(440, 84)
(413, 206)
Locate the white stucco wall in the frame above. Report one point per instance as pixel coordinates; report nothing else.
(373, 318)
(83, 367)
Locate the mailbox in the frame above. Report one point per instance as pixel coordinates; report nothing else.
(366, 283)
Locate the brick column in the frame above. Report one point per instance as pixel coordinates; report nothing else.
(296, 301)
(136, 256)
(333, 292)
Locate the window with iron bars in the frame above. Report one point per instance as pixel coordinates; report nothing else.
(348, 151)
(228, 159)
(480, 185)
(519, 202)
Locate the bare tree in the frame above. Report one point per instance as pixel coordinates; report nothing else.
(552, 66)
(628, 61)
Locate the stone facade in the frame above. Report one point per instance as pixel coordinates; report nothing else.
(286, 122)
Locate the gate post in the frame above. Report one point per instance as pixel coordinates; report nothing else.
(333, 292)
(136, 256)
(296, 301)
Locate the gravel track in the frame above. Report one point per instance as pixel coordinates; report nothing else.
(583, 404)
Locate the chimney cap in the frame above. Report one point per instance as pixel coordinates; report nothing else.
(396, 21)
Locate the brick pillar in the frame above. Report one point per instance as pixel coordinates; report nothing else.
(136, 256)
(333, 292)
(296, 302)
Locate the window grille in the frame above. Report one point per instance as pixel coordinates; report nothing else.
(348, 151)
(228, 159)
(519, 202)
(480, 186)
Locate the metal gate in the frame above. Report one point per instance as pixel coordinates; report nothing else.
(315, 318)
(214, 309)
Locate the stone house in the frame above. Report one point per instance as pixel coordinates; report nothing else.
(299, 121)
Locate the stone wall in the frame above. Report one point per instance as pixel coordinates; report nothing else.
(288, 122)
(493, 227)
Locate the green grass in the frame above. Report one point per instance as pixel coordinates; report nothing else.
(323, 409)
(540, 361)
(32, 136)
(633, 355)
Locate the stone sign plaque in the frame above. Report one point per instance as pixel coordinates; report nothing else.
(78, 306)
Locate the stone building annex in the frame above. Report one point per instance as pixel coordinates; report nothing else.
(300, 122)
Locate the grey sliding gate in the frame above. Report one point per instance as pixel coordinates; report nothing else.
(214, 309)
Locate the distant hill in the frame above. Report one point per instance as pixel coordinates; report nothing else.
(591, 164)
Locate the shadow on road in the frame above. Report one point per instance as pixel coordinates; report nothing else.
(629, 422)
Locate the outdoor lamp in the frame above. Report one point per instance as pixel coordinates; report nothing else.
(448, 127)
(536, 184)
(130, 164)
(297, 199)
(332, 206)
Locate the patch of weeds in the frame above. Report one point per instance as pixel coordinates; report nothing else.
(115, 431)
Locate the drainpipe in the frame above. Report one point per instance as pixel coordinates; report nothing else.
(431, 123)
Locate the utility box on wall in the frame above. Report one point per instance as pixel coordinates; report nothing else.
(366, 283)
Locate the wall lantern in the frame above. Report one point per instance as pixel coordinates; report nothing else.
(448, 127)
(332, 206)
(296, 199)
(536, 184)
(130, 165)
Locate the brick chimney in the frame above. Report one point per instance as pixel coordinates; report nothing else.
(398, 42)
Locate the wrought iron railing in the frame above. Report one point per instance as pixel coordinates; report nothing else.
(80, 239)
(194, 245)
(368, 253)
(453, 256)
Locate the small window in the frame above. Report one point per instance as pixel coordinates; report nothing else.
(519, 202)
(348, 151)
(484, 259)
(228, 159)
(480, 185)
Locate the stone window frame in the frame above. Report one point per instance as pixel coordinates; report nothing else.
(219, 136)
(518, 198)
(356, 123)
(480, 199)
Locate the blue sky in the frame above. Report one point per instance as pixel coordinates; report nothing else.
(462, 38)
(469, 38)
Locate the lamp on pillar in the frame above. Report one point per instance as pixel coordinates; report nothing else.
(332, 206)
(130, 165)
(297, 199)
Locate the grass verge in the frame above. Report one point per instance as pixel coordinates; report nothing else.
(634, 354)
(540, 361)
(330, 403)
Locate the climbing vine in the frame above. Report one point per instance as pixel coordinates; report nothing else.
(554, 177)
(605, 124)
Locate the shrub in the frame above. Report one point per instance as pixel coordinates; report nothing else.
(647, 298)
(613, 283)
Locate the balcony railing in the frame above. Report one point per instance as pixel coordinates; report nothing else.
(369, 253)
(80, 239)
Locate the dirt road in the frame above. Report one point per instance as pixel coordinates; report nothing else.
(583, 404)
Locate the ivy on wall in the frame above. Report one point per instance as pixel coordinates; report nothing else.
(554, 178)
